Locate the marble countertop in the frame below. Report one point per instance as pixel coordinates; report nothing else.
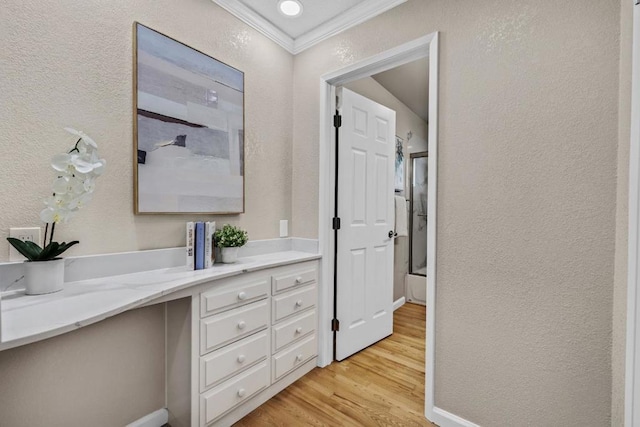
(27, 319)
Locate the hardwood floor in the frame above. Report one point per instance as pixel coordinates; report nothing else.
(382, 385)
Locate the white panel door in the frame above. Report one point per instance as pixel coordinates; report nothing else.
(366, 147)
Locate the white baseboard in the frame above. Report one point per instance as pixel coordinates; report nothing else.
(398, 303)
(154, 419)
(447, 419)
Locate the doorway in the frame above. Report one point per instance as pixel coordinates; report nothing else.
(426, 46)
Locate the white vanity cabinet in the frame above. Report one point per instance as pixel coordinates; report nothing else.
(252, 335)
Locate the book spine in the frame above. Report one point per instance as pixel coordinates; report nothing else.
(199, 245)
(207, 245)
(191, 246)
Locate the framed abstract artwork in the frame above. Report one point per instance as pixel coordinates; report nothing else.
(188, 129)
(399, 175)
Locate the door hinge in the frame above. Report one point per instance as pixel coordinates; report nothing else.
(336, 223)
(335, 325)
(337, 121)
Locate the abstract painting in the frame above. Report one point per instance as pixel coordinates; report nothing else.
(399, 176)
(188, 129)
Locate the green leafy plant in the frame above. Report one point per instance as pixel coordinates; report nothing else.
(33, 252)
(230, 236)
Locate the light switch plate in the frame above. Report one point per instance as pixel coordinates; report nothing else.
(284, 227)
(23, 233)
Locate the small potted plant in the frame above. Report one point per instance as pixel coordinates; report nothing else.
(73, 186)
(229, 239)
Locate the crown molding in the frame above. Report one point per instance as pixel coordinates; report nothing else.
(352, 17)
(251, 18)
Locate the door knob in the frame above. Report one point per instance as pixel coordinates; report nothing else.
(299, 303)
(241, 358)
(242, 324)
(242, 392)
(299, 330)
(242, 296)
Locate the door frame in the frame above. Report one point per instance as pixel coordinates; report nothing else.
(632, 365)
(426, 46)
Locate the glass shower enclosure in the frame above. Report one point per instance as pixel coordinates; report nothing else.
(418, 218)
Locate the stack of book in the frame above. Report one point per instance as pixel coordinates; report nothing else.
(200, 245)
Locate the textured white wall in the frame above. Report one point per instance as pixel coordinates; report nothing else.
(526, 202)
(69, 63)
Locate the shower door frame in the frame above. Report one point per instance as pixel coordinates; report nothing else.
(413, 156)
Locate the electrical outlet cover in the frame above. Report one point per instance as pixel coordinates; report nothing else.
(23, 233)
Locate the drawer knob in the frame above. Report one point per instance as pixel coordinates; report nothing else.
(299, 358)
(298, 280)
(299, 303)
(241, 358)
(242, 324)
(242, 392)
(299, 330)
(242, 296)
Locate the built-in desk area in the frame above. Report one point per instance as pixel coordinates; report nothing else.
(236, 334)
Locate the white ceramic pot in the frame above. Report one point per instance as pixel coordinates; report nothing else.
(229, 255)
(43, 277)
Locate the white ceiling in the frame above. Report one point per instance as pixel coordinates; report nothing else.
(320, 19)
(315, 13)
(410, 84)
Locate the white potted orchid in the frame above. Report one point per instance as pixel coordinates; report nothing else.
(76, 173)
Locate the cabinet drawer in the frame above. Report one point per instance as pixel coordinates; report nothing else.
(289, 359)
(233, 392)
(227, 361)
(293, 302)
(289, 331)
(224, 328)
(233, 294)
(297, 277)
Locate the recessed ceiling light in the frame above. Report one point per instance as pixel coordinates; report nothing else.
(290, 8)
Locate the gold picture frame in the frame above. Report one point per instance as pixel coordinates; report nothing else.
(188, 129)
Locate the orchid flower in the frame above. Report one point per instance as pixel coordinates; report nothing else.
(77, 171)
(56, 215)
